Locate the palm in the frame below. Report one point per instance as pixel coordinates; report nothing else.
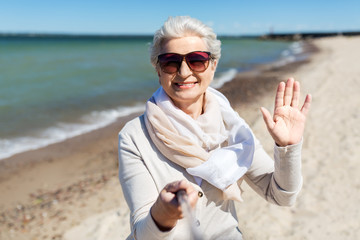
(288, 123)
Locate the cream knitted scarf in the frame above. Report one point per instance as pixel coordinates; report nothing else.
(217, 147)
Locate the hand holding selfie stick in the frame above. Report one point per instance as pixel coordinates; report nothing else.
(189, 214)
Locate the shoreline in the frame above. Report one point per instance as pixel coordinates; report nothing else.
(249, 75)
(250, 90)
(59, 149)
(50, 178)
(70, 124)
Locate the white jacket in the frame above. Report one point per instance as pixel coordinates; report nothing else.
(144, 171)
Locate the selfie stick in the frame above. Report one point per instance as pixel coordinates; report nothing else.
(189, 215)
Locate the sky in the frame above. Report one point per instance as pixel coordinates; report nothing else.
(235, 17)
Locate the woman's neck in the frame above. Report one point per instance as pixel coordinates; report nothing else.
(193, 109)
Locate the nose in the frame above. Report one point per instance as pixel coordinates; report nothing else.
(184, 70)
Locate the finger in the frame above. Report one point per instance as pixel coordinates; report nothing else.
(279, 99)
(192, 193)
(193, 198)
(307, 103)
(267, 118)
(172, 187)
(166, 195)
(184, 184)
(288, 91)
(296, 95)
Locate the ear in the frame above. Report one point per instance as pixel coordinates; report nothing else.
(159, 75)
(214, 64)
(157, 69)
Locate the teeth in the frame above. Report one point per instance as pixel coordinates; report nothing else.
(185, 84)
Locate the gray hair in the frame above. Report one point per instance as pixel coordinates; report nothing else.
(181, 26)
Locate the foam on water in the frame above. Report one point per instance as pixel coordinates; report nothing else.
(292, 54)
(63, 131)
(223, 78)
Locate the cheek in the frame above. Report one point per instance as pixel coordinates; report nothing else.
(164, 79)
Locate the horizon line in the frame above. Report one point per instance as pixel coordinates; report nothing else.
(141, 35)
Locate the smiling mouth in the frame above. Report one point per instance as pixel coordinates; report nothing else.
(185, 84)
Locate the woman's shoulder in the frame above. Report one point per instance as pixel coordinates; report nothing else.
(134, 135)
(134, 126)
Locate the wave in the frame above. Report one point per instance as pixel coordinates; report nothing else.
(223, 78)
(294, 53)
(63, 131)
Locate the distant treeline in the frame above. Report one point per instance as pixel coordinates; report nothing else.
(309, 35)
(279, 36)
(72, 36)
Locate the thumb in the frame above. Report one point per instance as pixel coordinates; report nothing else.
(267, 118)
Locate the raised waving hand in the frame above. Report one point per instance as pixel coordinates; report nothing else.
(288, 123)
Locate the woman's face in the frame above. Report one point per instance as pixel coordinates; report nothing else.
(186, 87)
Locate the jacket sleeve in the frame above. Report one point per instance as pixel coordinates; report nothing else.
(278, 181)
(139, 190)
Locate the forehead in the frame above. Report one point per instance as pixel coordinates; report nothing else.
(183, 45)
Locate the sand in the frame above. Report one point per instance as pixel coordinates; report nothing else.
(70, 190)
(327, 207)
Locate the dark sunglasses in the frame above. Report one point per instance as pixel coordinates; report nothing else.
(197, 61)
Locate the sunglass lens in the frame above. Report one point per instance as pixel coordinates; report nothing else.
(170, 62)
(198, 61)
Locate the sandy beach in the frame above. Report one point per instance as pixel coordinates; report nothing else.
(70, 190)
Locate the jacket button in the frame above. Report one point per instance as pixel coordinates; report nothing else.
(197, 223)
(200, 194)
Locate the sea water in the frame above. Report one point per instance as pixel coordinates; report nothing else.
(54, 88)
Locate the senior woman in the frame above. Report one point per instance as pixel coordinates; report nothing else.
(189, 138)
